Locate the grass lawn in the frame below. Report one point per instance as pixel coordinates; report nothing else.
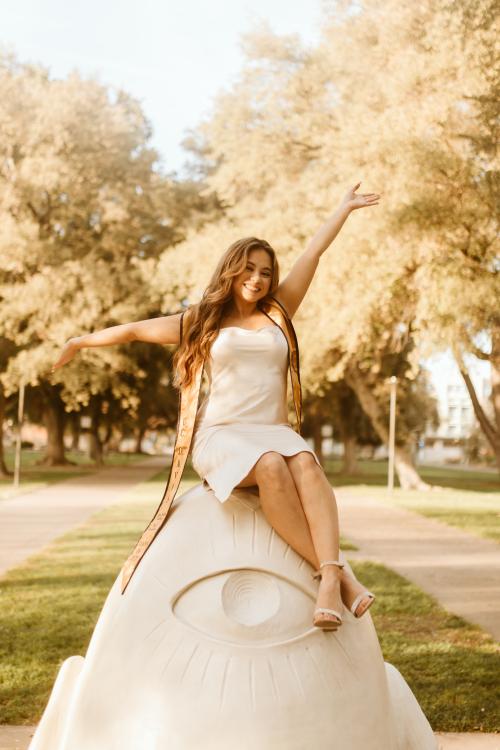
(49, 607)
(34, 477)
(374, 473)
(469, 500)
(451, 666)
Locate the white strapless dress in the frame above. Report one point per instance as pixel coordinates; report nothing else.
(244, 413)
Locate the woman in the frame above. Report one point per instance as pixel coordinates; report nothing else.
(242, 435)
(212, 645)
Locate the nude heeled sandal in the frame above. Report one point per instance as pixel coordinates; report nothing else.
(358, 599)
(327, 622)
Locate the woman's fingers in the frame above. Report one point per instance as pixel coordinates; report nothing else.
(67, 354)
(59, 363)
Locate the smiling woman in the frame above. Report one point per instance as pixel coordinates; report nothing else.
(242, 435)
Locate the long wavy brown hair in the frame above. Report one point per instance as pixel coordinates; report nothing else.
(201, 320)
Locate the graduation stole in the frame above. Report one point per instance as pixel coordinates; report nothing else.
(188, 407)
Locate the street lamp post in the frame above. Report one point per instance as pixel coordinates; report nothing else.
(392, 432)
(20, 413)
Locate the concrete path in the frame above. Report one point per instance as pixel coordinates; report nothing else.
(31, 521)
(469, 741)
(18, 738)
(460, 569)
(15, 738)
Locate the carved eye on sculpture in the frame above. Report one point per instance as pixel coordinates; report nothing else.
(246, 606)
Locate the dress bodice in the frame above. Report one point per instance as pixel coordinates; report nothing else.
(247, 378)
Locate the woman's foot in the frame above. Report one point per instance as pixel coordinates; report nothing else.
(350, 589)
(329, 592)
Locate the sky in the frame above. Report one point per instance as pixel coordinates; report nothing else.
(174, 57)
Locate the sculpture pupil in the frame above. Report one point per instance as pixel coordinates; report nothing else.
(250, 597)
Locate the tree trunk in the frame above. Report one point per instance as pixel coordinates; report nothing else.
(408, 476)
(490, 430)
(4, 472)
(54, 419)
(350, 459)
(107, 434)
(139, 436)
(112, 439)
(95, 451)
(75, 430)
(348, 437)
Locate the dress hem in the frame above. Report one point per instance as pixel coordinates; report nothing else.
(225, 491)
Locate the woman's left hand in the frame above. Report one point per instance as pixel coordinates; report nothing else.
(353, 201)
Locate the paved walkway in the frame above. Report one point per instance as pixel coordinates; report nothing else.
(18, 738)
(472, 741)
(31, 521)
(460, 569)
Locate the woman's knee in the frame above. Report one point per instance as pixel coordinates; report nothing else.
(303, 464)
(270, 466)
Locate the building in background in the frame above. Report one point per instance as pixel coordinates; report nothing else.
(457, 421)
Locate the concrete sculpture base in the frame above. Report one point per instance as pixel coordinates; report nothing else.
(211, 647)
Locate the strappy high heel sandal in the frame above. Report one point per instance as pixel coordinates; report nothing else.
(324, 618)
(359, 599)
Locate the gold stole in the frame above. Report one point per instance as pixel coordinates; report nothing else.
(188, 406)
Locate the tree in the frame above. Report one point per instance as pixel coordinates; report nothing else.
(370, 100)
(84, 214)
(458, 263)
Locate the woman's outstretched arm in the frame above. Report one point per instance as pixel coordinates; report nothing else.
(292, 289)
(163, 330)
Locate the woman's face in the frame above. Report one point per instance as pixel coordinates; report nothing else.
(254, 282)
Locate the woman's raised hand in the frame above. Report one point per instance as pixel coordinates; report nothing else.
(353, 201)
(70, 348)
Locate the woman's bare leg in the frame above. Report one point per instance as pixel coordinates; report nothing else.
(276, 485)
(283, 509)
(281, 504)
(316, 494)
(320, 509)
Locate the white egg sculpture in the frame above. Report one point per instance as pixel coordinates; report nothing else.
(212, 647)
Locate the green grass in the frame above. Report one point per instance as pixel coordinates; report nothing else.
(374, 473)
(467, 500)
(33, 477)
(49, 607)
(451, 666)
